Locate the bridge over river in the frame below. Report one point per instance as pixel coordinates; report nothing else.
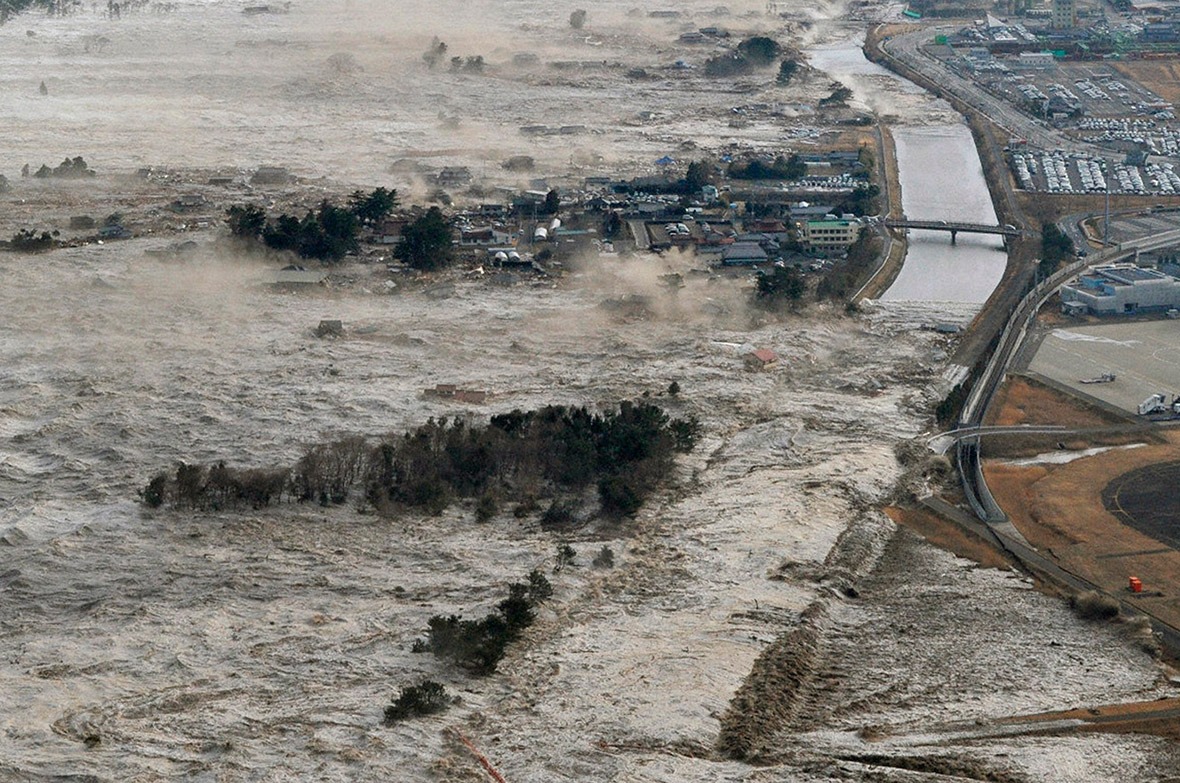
(954, 227)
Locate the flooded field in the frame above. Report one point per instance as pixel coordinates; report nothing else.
(151, 645)
(340, 89)
(141, 645)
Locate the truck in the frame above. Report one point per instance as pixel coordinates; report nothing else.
(1154, 404)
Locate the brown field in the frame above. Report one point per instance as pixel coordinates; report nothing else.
(1160, 76)
(1025, 401)
(1059, 510)
(1160, 717)
(1052, 206)
(948, 536)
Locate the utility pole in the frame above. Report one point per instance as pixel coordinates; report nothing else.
(1106, 218)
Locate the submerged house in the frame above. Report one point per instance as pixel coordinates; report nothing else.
(760, 359)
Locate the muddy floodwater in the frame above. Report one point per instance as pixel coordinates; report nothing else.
(942, 179)
(264, 644)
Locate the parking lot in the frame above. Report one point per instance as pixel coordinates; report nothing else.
(1061, 172)
(1093, 103)
(1127, 227)
(1098, 90)
(1144, 357)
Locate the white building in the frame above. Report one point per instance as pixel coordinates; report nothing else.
(829, 236)
(1064, 15)
(1036, 61)
(1121, 288)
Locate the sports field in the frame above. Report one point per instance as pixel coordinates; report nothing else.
(1146, 500)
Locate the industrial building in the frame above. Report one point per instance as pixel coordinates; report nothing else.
(1121, 289)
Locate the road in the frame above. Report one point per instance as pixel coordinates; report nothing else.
(908, 49)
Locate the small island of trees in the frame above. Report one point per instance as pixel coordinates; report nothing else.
(556, 452)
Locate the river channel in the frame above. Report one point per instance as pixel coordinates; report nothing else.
(941, 179)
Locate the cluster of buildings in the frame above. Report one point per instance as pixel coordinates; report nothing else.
(1063, 28)
(757, 225)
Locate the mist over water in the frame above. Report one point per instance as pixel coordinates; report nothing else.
(205, 85)
(263, 644)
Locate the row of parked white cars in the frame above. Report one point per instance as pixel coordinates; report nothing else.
(1056, 169)
(1066, 173)
(1163, 178)
(1025, 166)
(1129, 179)
(1091, 175)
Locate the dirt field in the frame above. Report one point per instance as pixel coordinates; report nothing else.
(1024, 401)
(1059, 508)
(949, 537)
(1160, 76)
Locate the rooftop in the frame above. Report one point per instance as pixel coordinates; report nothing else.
(1129, 275)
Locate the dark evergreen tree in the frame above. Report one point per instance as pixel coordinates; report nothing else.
(427, 243)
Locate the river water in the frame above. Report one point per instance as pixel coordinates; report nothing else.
(941, 179)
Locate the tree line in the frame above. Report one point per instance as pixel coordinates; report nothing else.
(327, 233)
(330, 232)
(556, 451)
(789, 167)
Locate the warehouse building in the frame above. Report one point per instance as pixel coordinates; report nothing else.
(1121, 289)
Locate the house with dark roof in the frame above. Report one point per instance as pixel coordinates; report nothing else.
(743, 254)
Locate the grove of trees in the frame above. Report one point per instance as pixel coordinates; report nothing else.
(781, 286)
(787, 70)
(843, 279)
(426, 698)
(479, 645)
(1056, 247)
(862, 200)
(428, 242)
(557, 452)
(789, 167)
(327, 233)
(70, 168)
(838, 97)
(27, 241)
(10, 8)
